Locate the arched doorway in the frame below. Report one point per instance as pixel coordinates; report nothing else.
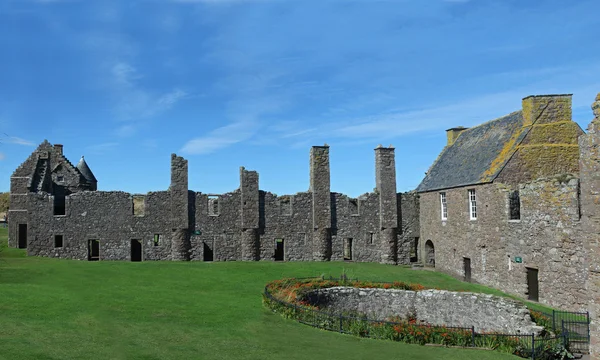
(429, 253)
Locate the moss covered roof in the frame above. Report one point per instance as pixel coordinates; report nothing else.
(478, 154)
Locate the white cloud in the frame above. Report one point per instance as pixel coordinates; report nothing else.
(100, 149)
(2, 156)
(19, 141)
(221, 138)
(135, 102)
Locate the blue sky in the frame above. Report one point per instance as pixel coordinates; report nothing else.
(255, 83)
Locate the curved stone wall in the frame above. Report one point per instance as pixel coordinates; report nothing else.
(487, 313)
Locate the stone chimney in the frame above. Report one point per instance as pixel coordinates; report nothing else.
(544, 109)
(58, 148)
(452, 134)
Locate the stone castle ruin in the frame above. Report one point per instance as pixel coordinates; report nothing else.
(513, 203)
(56, 211)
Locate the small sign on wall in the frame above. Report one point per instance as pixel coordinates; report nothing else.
(518, 259)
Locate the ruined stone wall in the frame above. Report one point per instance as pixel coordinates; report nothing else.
(104, 216)
(409, 233)
(545, 238)
(590, 221)
(436, 307)
(245, 224)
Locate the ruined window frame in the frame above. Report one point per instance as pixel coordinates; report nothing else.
(210, 200)
(157, 240)
(444, 206)
(472, 204)
(62, 241)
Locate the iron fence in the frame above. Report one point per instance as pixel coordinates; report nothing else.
(570, 332)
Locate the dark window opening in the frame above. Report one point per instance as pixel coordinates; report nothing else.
(353, 206)
(515, 205)
(22, 236)
(348, 249)
(370, 238)
(58, 241)
(279, 252)
(136, 250)
(467, 269)
(59, 205)
(60, 178)
(207, 253)
(156, 239)
(213, 205)
(533, 293)
(93, 250)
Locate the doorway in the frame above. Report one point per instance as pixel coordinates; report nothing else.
(22, 236)
(279, 254)
(136, 250)
(207, 252)
(467, 269)
(93, 250)
(429, 253)
(533, 289)
(348, 249)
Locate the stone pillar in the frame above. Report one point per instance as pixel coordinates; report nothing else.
(385, 178)
(180, 237)
(589, 165)
(320, 187)
(250, 215)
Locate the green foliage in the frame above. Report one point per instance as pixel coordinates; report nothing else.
(4, 202)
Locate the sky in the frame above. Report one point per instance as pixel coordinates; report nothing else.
(256, 83)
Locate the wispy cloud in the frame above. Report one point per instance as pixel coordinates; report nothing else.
(100, 149)
(18, 141)
(2, 156)
(221, 138)
(136, 102)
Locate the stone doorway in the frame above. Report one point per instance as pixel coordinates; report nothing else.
(533, 292)
(467, 269)
(136, 250)
(208, 254)
(22, 236)
(279, 252)
(93, 250)
(348, 249)
(429, 253)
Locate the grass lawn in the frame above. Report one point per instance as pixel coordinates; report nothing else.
(65, 309)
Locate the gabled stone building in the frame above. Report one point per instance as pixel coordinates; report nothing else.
(500, 206)
(57, 211)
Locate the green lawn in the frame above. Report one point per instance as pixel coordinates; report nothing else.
(64, 309)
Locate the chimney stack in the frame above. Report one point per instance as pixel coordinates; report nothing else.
(452, 134)
(58, 148)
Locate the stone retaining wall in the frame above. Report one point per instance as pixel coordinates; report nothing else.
(487, 313)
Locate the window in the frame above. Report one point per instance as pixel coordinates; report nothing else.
(138, 205)
(156, 239)
(472, 205)
(444, 206)
(370, 238)
(58, 241)
(213, 205)
(60, 178)
(514, 205)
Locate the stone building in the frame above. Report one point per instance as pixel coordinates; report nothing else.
(590, 220)
(56, 211)
(500, 206)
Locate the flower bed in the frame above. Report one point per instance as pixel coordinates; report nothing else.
(289, 298)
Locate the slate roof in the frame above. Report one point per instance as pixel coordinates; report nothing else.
(478, 154)
(84, 169)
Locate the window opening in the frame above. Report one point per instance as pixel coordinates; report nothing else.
(472, 205)
(58, 241)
